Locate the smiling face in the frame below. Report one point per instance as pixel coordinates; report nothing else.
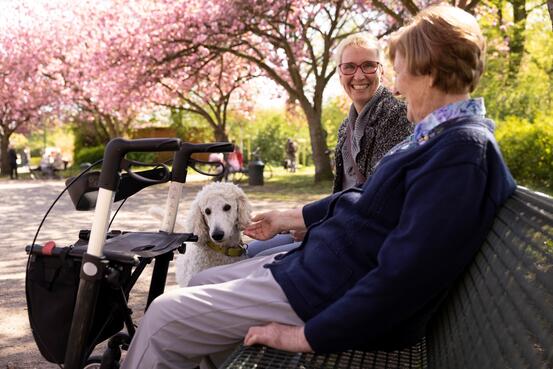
(360, 87)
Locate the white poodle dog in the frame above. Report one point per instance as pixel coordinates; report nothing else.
(217, 216)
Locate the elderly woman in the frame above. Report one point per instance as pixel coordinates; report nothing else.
(376, 122)
(377, 260)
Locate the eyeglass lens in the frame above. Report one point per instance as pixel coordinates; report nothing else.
(368, 67)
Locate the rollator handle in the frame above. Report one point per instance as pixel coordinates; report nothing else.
(187, 149)
(116, 150)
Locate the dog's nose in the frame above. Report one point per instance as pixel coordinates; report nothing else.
(217, 234)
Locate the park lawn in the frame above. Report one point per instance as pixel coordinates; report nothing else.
(290, 187)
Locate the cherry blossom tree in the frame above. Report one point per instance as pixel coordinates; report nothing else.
(290, 41)
(97, 91)
(113, 57)
(25, 92)
(211, 91)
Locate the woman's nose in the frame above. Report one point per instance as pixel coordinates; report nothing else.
(358, 73)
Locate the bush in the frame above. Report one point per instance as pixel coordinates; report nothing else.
(528, 150)
(89, 154)
(271, 142)
(92, 154)
(143, 157)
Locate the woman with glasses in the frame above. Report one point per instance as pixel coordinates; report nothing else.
(376, 122)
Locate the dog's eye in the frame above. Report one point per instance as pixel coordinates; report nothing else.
(207, 211)
(226, 207)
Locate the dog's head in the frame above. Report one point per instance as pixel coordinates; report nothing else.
(219, 212)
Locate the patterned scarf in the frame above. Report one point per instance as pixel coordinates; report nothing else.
(352, 145)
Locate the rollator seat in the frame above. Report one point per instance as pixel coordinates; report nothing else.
(128, 247)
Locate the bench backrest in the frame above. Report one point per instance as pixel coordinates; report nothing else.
(500, 315)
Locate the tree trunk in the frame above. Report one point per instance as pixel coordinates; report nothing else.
(323, 170)
(550, 8)
(516, 42)
(4, 143)
(220, 134)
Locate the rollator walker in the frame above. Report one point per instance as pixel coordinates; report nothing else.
(77, 295)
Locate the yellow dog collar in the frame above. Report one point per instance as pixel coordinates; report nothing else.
(232, 251)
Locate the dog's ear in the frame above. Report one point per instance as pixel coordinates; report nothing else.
(196, 222)
(244, 208)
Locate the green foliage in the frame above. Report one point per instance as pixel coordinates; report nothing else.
(190, 127)
(271, 141)
(528, 150)
(334, 113)
(59, 137)
(143, 157)
(292, 187)
(89, 154)
(19, 141)
(531, 92)
(269, 130)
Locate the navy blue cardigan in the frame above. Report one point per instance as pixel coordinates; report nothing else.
(377, 260)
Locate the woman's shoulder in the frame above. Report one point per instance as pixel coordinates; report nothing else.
(388, 99)
(471, 128)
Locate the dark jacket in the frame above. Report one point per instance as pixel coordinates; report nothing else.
(12, 157)
(387, 126)
(377, 260)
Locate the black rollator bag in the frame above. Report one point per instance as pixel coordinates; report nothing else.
(51, 289)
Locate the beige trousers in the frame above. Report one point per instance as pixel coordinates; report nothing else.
(209, 317)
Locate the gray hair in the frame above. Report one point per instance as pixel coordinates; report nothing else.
(362, 39)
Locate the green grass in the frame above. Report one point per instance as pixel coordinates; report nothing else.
(293, 187)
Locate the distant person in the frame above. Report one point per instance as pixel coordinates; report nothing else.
(46, 166)
(25, 157)
(376, 122)
(291, 149)
(234, 162)
(12, 159)
(219, 158)
(58, 163)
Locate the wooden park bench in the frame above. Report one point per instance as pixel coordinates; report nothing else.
(499, 314)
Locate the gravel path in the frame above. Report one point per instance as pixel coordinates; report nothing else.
(22, 207)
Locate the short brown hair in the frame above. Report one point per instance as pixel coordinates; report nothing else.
(445, 42)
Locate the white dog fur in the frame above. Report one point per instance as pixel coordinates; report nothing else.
(229, 212)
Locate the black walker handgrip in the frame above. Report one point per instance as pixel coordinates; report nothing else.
(191, 148)
(187, 149)
(117, 148)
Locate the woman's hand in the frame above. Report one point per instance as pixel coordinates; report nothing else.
(267, 225)
(264, 225)
(279, 336)
(298, 235)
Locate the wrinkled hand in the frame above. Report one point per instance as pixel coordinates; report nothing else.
(279, 336)
(264, 226)
(298, 235)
